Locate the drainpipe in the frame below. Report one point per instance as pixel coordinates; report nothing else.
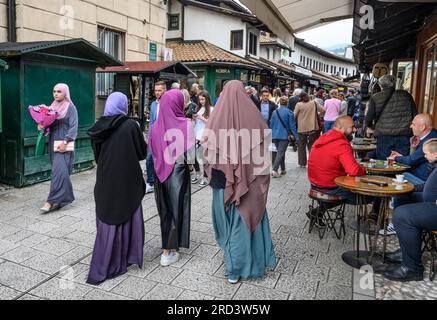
(12, 21)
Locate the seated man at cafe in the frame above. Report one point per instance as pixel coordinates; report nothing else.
(422, 128)
(331, 157)
(410, 220)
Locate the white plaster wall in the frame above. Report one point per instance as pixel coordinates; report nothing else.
(213, 27)
(299, 51)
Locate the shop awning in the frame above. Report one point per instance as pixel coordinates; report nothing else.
(75, 49)
(304, 14)
(394, 35)
(151, 67)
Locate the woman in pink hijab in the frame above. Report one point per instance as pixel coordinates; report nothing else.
(62, 131)
(172, 135)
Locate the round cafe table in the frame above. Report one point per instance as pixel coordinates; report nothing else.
(384, 168)
(363, 187)
(363, 148)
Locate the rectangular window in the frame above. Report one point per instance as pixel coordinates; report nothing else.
(173, 22)
(237, 40)
(112, 43)
(253, 44)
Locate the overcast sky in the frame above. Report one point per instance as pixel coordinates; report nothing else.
(329, 35)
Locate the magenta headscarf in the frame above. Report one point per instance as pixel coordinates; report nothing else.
(171, 135)
(62, 107)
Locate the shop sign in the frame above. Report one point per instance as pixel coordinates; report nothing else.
(223, 71)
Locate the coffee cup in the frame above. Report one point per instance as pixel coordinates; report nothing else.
(400, 178)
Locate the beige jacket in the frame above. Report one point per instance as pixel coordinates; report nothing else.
(305, 114)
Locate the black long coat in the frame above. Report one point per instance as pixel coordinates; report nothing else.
(118, 146)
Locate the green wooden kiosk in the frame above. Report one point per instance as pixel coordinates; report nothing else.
(34, 69)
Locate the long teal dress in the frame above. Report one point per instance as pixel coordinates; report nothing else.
(248, 254)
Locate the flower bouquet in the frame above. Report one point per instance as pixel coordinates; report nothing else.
(44, 116)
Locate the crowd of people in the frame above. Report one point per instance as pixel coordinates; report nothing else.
(178, 147)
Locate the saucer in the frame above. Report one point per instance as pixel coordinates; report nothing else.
(396, 181)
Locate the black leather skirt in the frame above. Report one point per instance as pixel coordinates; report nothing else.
(173, 199)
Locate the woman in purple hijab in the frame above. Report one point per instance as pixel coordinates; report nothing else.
(170, 138)
(118, 146)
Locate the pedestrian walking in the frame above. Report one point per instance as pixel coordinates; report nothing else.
(160, 89)
(118, 146)
(170, 139)
(63, 133)
(283, 125)
(332, 110)
(239, 215)
(344, 104)
(307, 114)
(201, 118)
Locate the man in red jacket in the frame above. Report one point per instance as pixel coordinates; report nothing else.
(332, 156)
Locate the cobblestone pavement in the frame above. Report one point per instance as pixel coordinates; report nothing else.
(48, 256)
(414, 290)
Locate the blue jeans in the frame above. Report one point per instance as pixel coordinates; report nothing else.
(351, 198)
(413, 179)
(150, 169)
(387, 144)
(329, 125)
(409, 221)
(415, 197)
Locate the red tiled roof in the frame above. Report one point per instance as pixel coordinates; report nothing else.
(202, 51)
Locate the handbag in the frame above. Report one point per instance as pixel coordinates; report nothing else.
(70, 146)
(319, 121)
(290, 134)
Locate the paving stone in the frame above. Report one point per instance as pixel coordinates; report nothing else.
(20, 254)
(206, 266)
(148, 267)
(300, 288)
(6, 246)
(42, 227)
(163, 292)
(55, 247)
(18, 277)
(333, 291)
(7, 230)
(205, 284)
(30, 297)
(164, 274)
(19, 236)
(101, 295)
(194, 296)
(268, 281)
(251, 292)
(34, 240)
(134, 288)
(45, 262)
(8, 293)
(81, 238)
(60, 289)
(206, 251)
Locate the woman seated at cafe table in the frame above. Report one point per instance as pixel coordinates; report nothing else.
(410, 220)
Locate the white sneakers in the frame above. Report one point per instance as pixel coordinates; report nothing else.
(172, 258)
(149, 188)
(390, 230)
(233, 281)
